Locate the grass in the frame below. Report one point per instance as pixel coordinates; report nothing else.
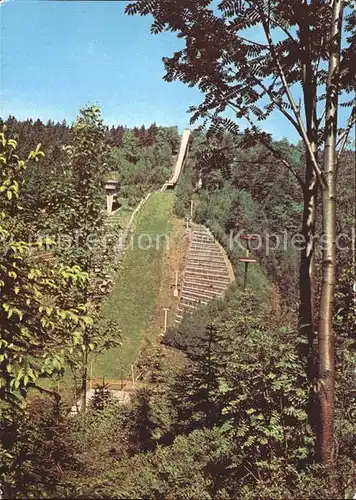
(173, 260)
(120, 218)
(132, 303)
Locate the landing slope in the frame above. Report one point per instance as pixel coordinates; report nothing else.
(132, 302)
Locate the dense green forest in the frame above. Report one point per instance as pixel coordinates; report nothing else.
(140, 159)
(213, 420)
(252, 395)
(243, 191)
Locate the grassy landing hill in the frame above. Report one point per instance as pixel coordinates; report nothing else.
(143, 285)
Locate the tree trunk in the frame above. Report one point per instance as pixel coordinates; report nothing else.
(306, 271)
(326, 349)
(310, 193)
(84, 379)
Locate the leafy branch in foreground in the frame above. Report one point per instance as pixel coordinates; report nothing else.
(39, 325)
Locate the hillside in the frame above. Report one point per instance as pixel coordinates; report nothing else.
(133, 301)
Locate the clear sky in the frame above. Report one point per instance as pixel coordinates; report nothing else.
(57, 57)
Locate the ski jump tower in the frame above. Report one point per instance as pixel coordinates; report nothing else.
(180, 160)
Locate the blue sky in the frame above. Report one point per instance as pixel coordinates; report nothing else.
(57, 57)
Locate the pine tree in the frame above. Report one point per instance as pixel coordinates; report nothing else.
(101, 397)
(197, 395)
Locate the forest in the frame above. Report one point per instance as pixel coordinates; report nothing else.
(253, 394)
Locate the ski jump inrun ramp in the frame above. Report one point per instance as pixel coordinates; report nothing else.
(180, 160)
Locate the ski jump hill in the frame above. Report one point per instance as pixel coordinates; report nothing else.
(206, 273)
(184, 146)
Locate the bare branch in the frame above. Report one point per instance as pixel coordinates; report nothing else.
(321, 117)
(275, 101)
(284, 162)
(344, 136)
(54, 394)
(281, 109)
(263, 46)
(284, 29)
(322, 44)
(278, 155)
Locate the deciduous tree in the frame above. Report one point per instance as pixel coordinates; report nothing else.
(39, 322)
(300, 55)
